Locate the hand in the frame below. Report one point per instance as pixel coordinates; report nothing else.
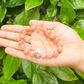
(70, 56)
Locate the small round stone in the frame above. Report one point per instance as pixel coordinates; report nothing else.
(26, 51)
(59, 49)
(56, 40)
(43, 55)
(28, 29)
(52, 36)
(32, 53)
(24, 32)
(22, 36)
(33, 27)
(55, 53)
(49, 55)
(37, 55)
(22, 46)
(21, 42)
(60, 43)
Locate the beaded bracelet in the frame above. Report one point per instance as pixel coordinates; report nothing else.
(47, 32)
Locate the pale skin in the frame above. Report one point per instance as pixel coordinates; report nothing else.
(73, 46)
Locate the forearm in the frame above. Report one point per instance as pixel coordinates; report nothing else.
(80, 67)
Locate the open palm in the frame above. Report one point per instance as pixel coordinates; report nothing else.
(41, 43)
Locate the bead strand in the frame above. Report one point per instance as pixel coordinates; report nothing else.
(47, 32)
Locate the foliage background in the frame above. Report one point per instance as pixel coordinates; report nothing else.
(20, 12)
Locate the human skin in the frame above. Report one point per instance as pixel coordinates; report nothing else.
(73, 46)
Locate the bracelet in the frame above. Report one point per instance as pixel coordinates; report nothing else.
(47, 32)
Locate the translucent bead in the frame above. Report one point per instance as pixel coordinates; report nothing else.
(55, 53)
(28, 29)
(52, 36)
(60, 43)
(22, 36)
(43, 55)
(49, 55)
(26, 51)
(21, 42)
(24, 32)
(32, 53)
(59, 49)
(56, 40)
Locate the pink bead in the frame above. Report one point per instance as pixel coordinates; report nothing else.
(55, 53)
(59, 49)
(52, 36)
(22, 36)
(23, 47)
(44, 30)
(56, 40)
(21, 42)
(38, 29)
(26, 51)
(48, 32)
(24, 32)
(28, 29)
(32, 53)
(60, 43)
(33, 27)
(43, 55)
(49, 55)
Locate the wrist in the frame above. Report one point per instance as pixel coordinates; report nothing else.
(80, 67)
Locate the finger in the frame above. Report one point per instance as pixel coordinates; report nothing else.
(14, 28)
(46, 24)
(20, 54)
(14, 36)
(12, 44)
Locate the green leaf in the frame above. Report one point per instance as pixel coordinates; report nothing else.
(4, 1)
(19, 82)
(32, 3)
(79, 27)
(14, 11)
(67, 13)
(42, 77)
(29, 68)
(13, 3)
(78, 82)
(46, 18)
(77, 4)
(66, 74)
(80, 14)
(51, 11)
(24, 17)
(2, 13)
(54, 2)
(66, 82)
(2, 53)
(3, 81)
(11, 65)
(80, 74)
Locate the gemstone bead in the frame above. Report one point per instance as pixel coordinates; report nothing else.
(21, 42)
(32, 53)
(26, 51)
(52, 36)
(37, 55)
(59, 49)
(55, 53)
(49, 55)
(60, 43)
(43, 55)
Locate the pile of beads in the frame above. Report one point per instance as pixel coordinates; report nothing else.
(47, 32)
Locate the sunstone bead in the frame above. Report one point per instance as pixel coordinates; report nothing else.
(37, 55)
